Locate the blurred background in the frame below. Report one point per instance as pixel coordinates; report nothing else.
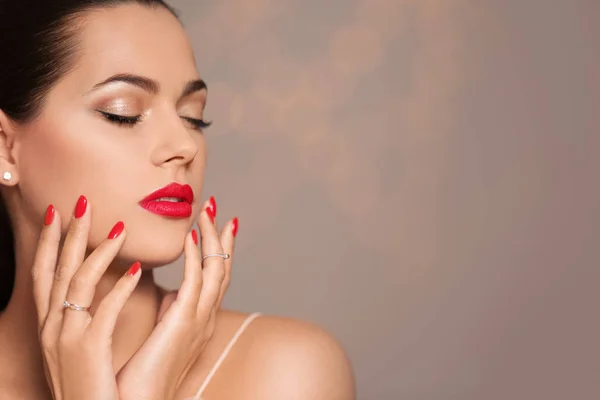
(418, 177)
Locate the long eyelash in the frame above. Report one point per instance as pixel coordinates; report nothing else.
(121, 119)
(125, 120)
(198, 123)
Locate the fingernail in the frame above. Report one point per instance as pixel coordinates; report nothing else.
(80, 207)
(49, 215)
(116, 230)
(213, 206)
(234, 226)
(194, 236)
(134, 268)
(211, 216)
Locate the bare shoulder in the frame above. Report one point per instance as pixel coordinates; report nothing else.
(289, 359)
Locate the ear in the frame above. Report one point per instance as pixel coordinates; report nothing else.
(8, 172)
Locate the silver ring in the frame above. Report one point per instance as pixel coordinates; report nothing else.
(222, 255)
(75, 307)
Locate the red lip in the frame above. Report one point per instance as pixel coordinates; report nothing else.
(181, 209)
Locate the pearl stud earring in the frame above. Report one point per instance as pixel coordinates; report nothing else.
(7, 176)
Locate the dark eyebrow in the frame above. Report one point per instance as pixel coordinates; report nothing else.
(150, 85)
(145, 83)
(194, 86)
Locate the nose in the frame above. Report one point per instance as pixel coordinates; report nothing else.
(176, 145)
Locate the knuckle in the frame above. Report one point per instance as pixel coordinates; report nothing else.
(220, 274)
(80, 281)
(214, 245)
(61, 272)
(75, 230)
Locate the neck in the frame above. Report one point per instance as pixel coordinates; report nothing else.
(19, 344)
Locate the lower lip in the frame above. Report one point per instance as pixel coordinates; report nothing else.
(169, 208)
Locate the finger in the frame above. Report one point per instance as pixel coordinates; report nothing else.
(44, 263)
(214, 268)
(213, 208)
(105, 319)
(189, 292)
(83, 284)
(71, 256)
(228, 242)
(212, 205)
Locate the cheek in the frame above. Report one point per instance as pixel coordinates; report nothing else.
(57, 165)
(49, 165)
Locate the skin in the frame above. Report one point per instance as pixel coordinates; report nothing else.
(71, 149)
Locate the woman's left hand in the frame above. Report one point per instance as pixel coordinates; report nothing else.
(187, 318)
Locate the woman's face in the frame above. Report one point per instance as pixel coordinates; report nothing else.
(74, 148)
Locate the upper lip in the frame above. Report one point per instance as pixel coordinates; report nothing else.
(174, 189)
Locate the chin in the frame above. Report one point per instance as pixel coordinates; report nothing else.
(153, 253)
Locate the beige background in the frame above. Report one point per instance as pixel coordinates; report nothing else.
(418, 177)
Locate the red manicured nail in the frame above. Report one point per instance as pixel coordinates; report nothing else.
(80, 207)
(134, 268)
(194, 236)
(116, 230)
(213, 206)
(49, 215)
(234, 226)
(210, 214)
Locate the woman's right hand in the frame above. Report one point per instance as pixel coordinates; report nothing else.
(77, 348)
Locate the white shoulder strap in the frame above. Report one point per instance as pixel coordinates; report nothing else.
(224, 354)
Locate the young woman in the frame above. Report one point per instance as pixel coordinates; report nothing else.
(102, 158)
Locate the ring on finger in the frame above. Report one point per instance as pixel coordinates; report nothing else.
(75, 307)
(222, 255)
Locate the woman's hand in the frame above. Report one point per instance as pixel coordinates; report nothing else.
(187, 321)
(77, 351)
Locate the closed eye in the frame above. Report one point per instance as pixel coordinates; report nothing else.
(197, 124)
(121, 119)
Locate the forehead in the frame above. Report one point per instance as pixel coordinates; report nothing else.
(135, 39)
